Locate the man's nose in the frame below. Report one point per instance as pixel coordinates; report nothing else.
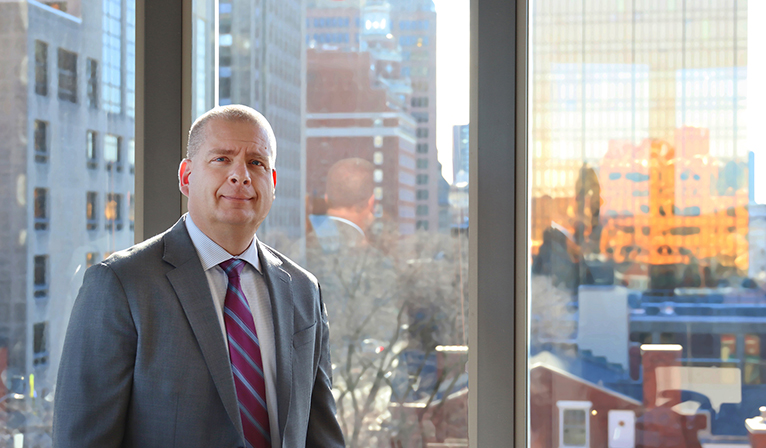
(240, 174)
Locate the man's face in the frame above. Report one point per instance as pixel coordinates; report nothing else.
(230, 181)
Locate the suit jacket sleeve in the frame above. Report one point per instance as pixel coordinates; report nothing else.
(96, 371)
(323, 430)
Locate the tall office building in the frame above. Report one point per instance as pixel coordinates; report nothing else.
(67, 130)
(261, 64)
(414, 28)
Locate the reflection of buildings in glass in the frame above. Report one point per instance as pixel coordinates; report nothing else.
(56, 173)
(260, 64)
(401, 39)
(757, 242)
(642, 77)
(673, 204)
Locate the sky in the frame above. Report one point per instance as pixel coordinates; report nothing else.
(452, 74)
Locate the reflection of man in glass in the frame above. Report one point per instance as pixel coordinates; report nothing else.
(359, 285)
(350, 203)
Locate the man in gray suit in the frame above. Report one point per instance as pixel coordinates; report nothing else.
(202, 336)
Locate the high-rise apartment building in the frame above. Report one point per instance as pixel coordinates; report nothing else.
(261, 65)
(68, 162)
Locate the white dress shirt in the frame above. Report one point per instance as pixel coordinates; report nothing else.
(254, 287)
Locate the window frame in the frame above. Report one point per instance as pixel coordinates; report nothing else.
(65, 72)
(41, 68)
(41, 140)
(497, 406)
(40, 197)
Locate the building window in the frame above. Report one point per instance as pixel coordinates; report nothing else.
(377, 175)
(132, 155)
(422, 148)
(422, 210)
(574, 428)
(421, 55)
(90, 148)
(224, 87)
(41, 208)
(131, 211)
(67, 76)
(419, 101)
(41, 276)
(421, 225)
(422, 194)
(422, 164)
(91, 73)
(91, 217)
(420, 72)
(377, 158)
(113, 211)
(378, 141)
(41, 141)
(420, 117)
(40, 344)
(378, 193)
(420, 86)
(90, 259)
(112, 155)
(112, 57)
(422, 132)
(422, 179)
(41, 68)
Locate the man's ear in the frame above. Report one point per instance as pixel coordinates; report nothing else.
(274, 176)
(371, 203)
(184, 170)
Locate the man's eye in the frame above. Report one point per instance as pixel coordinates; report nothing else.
(220, 159)
(257, 162)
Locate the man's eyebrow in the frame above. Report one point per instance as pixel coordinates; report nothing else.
(222, 151)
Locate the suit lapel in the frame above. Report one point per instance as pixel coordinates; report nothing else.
(278, 282)
(190, 284)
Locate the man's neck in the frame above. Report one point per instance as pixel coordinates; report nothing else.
(231, 238)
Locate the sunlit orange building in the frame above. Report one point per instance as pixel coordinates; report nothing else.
(664, 203)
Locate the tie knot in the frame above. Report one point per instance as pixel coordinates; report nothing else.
(233, 267)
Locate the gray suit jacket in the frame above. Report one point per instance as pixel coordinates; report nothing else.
(145, 364)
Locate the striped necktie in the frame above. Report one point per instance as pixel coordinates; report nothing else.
(245, 356)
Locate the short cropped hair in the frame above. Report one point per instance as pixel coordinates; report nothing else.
(349, 183)
(231, 113)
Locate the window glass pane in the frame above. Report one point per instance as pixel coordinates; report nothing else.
(67, 72)
(111, 148)
(353, 106)
(647, 218)
(53, 70)
(41, 68)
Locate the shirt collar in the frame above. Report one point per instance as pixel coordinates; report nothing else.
(346, 221)
(211, 254)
